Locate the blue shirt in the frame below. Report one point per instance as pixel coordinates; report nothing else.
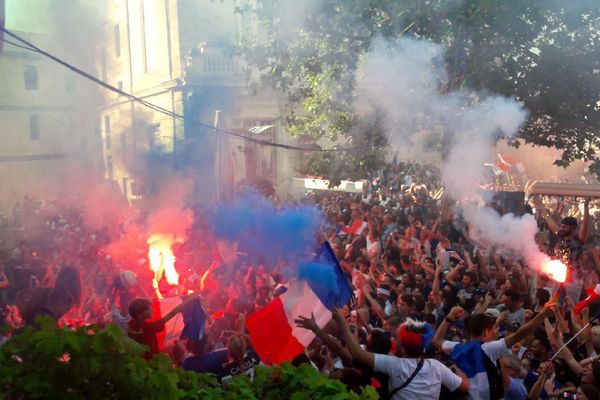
(210, 362)
(516, 390)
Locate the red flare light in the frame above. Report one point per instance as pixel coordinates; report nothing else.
(162, 259)
(555, 269)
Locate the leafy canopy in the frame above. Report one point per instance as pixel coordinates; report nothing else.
(545, 53)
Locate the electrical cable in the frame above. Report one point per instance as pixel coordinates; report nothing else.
(16, 45)
(162, 110)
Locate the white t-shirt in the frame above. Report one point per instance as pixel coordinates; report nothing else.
(426, 385)
(479, 386)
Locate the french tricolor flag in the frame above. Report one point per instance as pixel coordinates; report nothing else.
(356, 228)
(320, 286)
(188, 324)
(469, 358)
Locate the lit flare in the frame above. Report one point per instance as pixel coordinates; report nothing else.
(162, 259)
(555, 269)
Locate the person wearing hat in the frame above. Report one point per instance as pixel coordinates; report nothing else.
(478, 358)
(410, 375)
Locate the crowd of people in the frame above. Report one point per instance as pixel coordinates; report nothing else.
(434, 314)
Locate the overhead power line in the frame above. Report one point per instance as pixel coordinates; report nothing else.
(31, 47)
(15, 44)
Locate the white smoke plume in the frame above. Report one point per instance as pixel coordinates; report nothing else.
(406, 80)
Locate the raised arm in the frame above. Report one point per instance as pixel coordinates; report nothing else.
(356, 351)
(440, 333)
(585, 223)
(452, 276)
(435, 287)
(328, 340)
(545, 215)
(529, 327)
(176, 310)
(374, 304)
(544, 372)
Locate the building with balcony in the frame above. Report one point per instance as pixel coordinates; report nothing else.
(179, 55)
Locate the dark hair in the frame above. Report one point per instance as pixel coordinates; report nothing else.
(394, 322)
(472, 275)
(590, 390)
(477, 324)
(300, 359)
(138, 306)
(542, 295)
(430, 319)
(405, 259)
(563, 372)
(396, 263)
(407, 299)
(543, 339)
(569, 221)
(379, 342)
(362, 261)
(419, 303)
(384, 286)
(513, 295)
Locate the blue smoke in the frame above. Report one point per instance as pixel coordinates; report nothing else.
(265, 232)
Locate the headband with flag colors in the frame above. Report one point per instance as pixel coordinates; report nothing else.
(320, 286)
(415, 334)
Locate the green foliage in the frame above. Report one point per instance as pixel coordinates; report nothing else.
(88, 363)
(94, 363)
(545, 53)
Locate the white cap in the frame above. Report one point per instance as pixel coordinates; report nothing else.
(492, 312)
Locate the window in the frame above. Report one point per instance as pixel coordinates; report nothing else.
(149, 12)
(107, 132)
(34, 127)
(117, 41)
(143, 31)
(31, 78)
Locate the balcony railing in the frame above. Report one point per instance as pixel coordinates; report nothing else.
(213, 65)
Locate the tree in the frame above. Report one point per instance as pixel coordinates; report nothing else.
(543, 53)
(94, 363)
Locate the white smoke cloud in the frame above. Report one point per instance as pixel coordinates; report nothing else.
(406, 81)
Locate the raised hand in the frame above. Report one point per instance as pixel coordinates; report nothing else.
(307, 323)
(338, 316)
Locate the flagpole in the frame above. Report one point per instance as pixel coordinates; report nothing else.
(595, 317)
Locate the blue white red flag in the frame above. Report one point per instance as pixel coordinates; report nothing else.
(189, 324)
(320, 286)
